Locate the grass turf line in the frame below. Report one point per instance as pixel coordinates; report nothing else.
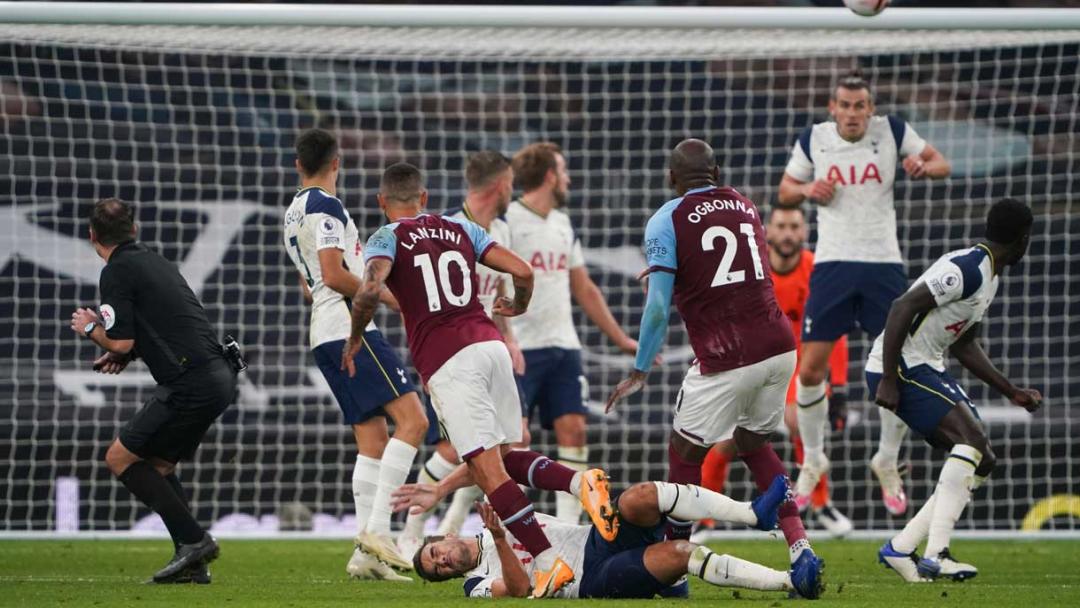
(1029, 574)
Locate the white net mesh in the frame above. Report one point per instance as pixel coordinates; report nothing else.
(196, 125)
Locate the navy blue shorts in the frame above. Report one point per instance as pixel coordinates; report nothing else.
(926, 396)
(554, 384)
(380, 377)
(435, 432)
(846, 294)
(616, 569)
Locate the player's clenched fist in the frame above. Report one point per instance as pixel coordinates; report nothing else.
(820, 190)
(1027, 398)
(914, 166)
(888, 395)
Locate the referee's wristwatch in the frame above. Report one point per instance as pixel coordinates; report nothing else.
(89, 329)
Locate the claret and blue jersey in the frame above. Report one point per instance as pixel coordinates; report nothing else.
(434, 279)
(706, 252)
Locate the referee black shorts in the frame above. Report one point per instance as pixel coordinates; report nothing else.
(171, 424)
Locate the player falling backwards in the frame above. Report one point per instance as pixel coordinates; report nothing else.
(637, 564)
(705, 250)
(906, 373)
(323, 243)
(848, 167)
(790, 265)
(429, 263)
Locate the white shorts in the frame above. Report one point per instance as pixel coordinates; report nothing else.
(752, 397)
(475, 397)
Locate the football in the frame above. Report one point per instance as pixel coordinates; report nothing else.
(866, 8)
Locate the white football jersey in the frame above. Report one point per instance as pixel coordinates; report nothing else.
(568, 540)
(859, 223)
(963, 285)
(315, 220)
(549, 245)
(488, 279)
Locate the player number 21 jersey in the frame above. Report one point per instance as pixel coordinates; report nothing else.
(712, 240)
(314, 221)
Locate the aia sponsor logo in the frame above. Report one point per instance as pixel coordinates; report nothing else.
(853, 176)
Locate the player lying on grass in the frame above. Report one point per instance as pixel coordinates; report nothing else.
(638, 563)
(906, 372)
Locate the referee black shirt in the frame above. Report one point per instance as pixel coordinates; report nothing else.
(145, 298)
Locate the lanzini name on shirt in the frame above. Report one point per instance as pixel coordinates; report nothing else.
(420, 233)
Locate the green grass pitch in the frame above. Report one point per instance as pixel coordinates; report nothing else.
(107, 573)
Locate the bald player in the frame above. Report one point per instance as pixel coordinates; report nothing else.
(706, 251)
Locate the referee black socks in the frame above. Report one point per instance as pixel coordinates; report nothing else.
(144, 481)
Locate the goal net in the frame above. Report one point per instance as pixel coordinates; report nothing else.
(196, 126)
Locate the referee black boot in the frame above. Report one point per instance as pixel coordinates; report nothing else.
(188, 557)
(198, 574)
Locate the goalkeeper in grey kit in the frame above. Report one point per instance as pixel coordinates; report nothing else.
(149, 311)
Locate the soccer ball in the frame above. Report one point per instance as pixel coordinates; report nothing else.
(866, 8)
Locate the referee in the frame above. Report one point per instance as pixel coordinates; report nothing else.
(148, 311)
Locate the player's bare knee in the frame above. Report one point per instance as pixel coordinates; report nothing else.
(667, 561)
(447, 451)
(570, 430)
(163, 467)
(118, 458)
(748, 441)
(811, 375)
(989, 459)
(411, 430)
(639, 504)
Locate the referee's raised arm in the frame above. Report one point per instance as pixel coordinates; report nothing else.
(148, 311)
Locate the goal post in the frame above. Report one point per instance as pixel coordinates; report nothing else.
(191, 112)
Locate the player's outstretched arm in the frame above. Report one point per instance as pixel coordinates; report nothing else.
(654, 326)
(917, 301)
(592, 301)
(502, 259)
(514, 581)
(420, 497)
(970, 354)
(364, 303)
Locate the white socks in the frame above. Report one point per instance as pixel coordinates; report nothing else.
(394, 468)
(893, 430)
(432, 472)
(459, 509)
(915, 531)
(365, 480)
(693, 503)
(567, 506)
(813, 416)
(951, 496)
(728, 571)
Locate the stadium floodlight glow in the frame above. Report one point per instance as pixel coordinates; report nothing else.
(191, 110)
